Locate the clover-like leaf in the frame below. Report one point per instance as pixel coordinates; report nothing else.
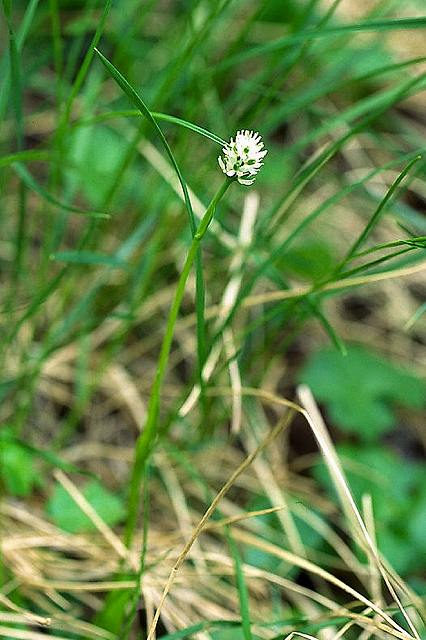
(361, 390)
(65, 512)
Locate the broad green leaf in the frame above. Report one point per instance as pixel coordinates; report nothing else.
(399, 507)
(17, 468)
(68, 515)
(361, 390)
(371, 470)
(310, 257)
(95, 154)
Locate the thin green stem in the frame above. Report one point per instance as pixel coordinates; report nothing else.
(376, 216)
(145, 441)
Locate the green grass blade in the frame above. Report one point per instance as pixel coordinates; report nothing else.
(146, 440)
(82, 72)
(328, 327)
(324, 32)
(23, 156)
(140, 104)
(164, 117)
(241, 586)
(200, 294)
(90, 258)
(311, 169)
(21, 36)
(32, 184)
(380, 209)
(374, 263)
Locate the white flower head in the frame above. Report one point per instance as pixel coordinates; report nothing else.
(243, 156)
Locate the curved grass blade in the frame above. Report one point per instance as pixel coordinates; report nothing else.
(23, 156)
(419, 242)
(293, 104)
(140, 104)
(135, 113)
(189, 125)
(278, 213)
(32, 184)
(199, 294)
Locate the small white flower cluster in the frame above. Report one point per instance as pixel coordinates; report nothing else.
(243, 156)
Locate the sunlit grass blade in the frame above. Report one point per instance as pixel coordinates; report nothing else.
(415, 317)
(374, 263)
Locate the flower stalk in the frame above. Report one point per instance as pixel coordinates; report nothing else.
(146, 440)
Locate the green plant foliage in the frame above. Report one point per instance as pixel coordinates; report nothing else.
(272, 532)
(399, 507)
(17, 467)
(234, 633)
(95, 154)
(417, 521)
(361, 390)
(312, 259)
(68, 515)
(112, 615)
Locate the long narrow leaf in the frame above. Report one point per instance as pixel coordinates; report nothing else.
(378, 212)
(140, 104)
(88, 257)
(32, 184)
(135, 113)
(23, 156)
